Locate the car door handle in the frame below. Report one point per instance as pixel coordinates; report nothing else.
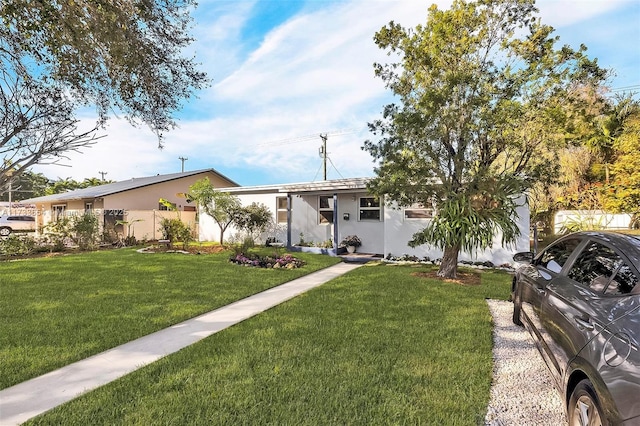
(540, 290)
(585, 324)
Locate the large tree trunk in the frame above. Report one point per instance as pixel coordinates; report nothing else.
(449, 265)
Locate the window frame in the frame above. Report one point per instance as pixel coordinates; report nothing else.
(419, 207)
(58, 211)
(280, 209)
(374, 208)
(329, 219)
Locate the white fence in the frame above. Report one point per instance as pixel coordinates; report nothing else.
(591, 219)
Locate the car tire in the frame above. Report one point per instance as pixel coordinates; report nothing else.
(517, 307)
(584, 406)
(5, 231)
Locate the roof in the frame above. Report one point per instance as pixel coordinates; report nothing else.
(342, 185)
(116, 187)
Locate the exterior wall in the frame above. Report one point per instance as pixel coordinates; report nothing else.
(145, 224)
(370, 232)
(146, 198)
(210, 231)
(398, 232)
(305, 220)
(390, 235)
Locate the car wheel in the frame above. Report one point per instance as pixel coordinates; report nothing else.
(517, 307)
(584, 406)
(4, 232)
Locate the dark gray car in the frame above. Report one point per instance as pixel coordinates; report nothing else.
(580, 300)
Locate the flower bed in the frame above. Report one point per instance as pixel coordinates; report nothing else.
(286, 261)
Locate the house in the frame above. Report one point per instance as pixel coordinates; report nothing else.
(135, 201)
(325, 212)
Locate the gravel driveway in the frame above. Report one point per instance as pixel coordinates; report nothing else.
(522, 392)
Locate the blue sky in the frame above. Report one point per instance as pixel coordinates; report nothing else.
(285, 71)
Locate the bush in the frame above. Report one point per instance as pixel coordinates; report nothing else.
(176, 230)
(17, 245)
(58, 233)
(85, 231)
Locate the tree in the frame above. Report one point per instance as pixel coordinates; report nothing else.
(68, 184)
(118, 55)
(482, 90)
(622, 194)
(27, 185)
(253, 218)
(37, 124)
(223, 207)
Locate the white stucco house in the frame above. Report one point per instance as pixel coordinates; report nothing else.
(325, 211)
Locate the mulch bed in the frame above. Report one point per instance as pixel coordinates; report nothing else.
(462, 278)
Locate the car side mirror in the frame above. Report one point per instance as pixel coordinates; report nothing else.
(523, 257)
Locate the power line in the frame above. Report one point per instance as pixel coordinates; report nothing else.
(306, 138)
(626, 88)
(336, 169)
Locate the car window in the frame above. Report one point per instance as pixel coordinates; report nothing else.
(624, 281)
(595, 266)
(555, 256)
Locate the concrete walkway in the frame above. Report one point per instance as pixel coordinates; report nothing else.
(25, 400)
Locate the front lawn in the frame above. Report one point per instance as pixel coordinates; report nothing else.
(55, 311)
(380, 345)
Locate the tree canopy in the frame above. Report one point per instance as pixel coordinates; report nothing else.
(122, 56)
(481, 89)
(223, 207)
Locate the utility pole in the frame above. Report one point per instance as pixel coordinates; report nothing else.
(10, 174)
(102, 174)
(183, 159)
(323, 154)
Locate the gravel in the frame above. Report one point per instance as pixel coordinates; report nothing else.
(522, 392)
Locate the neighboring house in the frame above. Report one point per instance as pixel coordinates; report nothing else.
(135, 201)
(328, 211)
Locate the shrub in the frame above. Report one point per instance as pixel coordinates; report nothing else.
(176, 230)
(85, 230)
(17, 245)
(58, 233)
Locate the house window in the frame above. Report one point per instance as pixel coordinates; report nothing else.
(418, 211)
(281, 209)
(325, 209)
(58, 211)
(369, 208)
(88, 207)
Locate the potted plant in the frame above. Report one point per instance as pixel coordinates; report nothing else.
(351, 242)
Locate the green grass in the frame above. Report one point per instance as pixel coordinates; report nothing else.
(376, 346)
(55, 311)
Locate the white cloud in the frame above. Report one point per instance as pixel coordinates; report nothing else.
(311, 74)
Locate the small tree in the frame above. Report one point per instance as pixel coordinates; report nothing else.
(253, 219)
(223, 207)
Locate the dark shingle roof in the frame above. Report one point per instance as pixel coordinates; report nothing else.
(116, 187)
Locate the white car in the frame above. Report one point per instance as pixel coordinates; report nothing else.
(9, 224)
